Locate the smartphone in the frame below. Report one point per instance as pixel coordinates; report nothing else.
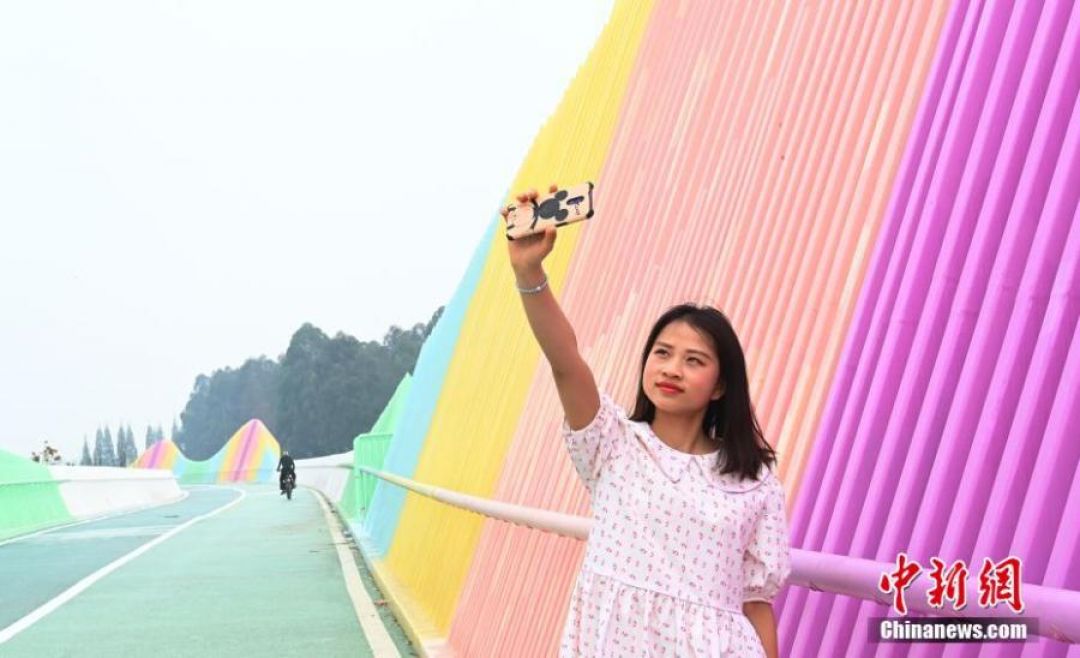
(566, 206)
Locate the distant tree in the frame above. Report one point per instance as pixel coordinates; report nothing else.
(151, 438)
(99, 446)
(132, 447)
(108, 451)
(335, 388)
(86, 459)
(331, 390)
(122, 456)
(221, 403)
(126, 451)
(315, 398)
(49, 454)
(433, 321)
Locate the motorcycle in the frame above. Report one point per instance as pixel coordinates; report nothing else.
(289, 484)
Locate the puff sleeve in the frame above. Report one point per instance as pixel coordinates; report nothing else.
(592, 446)
(767, 559)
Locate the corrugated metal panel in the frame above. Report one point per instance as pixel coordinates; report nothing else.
(752, 164)
(495, 356)
(381, 522)
(946, 434)
(883, 198)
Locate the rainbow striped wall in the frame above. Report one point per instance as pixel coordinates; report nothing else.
(250, 455)
(163, 454)
(883, 198)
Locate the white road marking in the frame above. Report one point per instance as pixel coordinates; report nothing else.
(377, 636)
(103, 533)
(63, 597)
(100, 517)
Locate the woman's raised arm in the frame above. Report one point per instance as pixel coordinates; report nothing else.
(573, 378)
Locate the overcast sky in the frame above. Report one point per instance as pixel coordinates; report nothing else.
(183, 184)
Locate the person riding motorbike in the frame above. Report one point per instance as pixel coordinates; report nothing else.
(287, 467)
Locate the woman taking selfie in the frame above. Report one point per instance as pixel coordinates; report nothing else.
(690, 542)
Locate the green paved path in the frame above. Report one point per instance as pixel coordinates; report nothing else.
(261, 578)
(36, 568)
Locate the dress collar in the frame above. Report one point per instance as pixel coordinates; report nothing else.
(676, 463)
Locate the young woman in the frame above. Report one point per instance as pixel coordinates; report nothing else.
(690, 541)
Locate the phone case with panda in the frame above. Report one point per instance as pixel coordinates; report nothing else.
(566, 206)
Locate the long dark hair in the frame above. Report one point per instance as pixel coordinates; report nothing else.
(729, 421)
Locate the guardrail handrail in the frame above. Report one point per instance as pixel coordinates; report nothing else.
(1058, 610)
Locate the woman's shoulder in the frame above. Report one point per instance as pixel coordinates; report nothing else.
(766, 480)
(610, 417)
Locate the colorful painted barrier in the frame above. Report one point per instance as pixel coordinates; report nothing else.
(883, 199)
(250, 455)
(92, 491)
(30, 497)
(1058, 610)
(34, 496)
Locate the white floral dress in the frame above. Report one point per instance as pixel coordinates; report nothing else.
(675, 549)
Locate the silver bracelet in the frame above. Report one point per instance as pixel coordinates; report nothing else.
(533, 291)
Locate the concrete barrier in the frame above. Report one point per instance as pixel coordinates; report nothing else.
(90, 491)
(327, 474)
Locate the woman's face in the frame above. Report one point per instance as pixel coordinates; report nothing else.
(682, 372)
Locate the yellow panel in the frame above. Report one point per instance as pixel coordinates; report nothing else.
(496, 356)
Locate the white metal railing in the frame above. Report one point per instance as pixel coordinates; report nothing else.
(567, 525)
(1057, 610)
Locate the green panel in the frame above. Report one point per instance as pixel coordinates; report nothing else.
(29, 497)
(368, 450)
(201, 472)
(350, 499)
(388, 419)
